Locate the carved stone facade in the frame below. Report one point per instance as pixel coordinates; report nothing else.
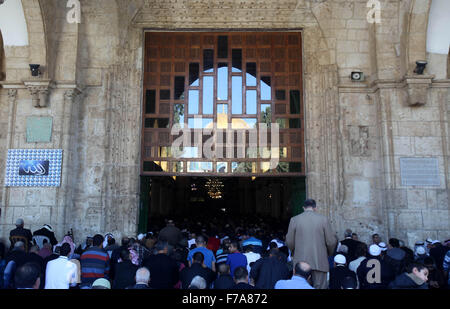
(356, 132)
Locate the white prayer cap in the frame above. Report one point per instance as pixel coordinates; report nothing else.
(383, 246)
(340, 259)
(420, 250)
(374, 250)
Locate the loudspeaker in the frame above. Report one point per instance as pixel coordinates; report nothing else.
(357, 76)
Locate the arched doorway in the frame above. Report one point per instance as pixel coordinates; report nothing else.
(220, 88)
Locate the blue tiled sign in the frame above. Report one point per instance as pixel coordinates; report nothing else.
(33, 168)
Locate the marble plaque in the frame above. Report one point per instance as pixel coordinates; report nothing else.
(39, 129)
(419, 172)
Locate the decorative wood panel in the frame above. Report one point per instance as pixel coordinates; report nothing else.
(203, 74)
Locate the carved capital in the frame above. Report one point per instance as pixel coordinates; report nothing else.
(39, 91)
(417, 89)
(71, 94)
(12, 95)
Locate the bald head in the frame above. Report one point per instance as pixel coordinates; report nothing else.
(302, 269)
(19, 245)
(143, 275)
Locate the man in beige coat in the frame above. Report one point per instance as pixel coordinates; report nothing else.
(311, 240)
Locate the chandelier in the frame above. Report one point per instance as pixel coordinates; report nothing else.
(214, 187)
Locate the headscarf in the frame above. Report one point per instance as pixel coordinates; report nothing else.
(134, 256)
(67, 239)
(105, 241)
(48, 228)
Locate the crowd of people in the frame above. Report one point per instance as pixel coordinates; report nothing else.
(223, 253)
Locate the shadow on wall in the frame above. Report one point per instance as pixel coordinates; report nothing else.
(2, 59)
(448, 64)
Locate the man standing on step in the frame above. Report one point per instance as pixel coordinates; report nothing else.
(311, 239)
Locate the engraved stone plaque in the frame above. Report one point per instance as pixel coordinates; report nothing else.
(419, 172)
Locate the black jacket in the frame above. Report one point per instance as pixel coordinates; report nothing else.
(224, 282)
(351, 245)
(267, 271)
(20, 231)
(337, 276)
(36, 259)
(125, 274)
(50, 235)
(438, 254)
(242, 286)
(408, 281)
(171, 234)
(18, 256)
(163, 270)
(115, 256)
(187, 274)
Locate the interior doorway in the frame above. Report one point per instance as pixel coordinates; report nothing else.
(195, 198)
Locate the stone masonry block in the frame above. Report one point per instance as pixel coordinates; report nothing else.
(442, 200)
(417, 199)
(436, 219)
(428, 146)
(408, 220)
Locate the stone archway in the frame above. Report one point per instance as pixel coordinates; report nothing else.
(323, 136)
(2, 59)
(417, 32)
(36, 34)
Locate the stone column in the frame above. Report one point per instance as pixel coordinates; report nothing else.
(323, 140)
(64, 193)
(12, 98)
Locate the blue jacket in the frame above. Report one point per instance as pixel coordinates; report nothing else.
(296, 282)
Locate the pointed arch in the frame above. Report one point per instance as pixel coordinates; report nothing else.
(417, 32)
(2, 59)
(36, 33)
(438, 38)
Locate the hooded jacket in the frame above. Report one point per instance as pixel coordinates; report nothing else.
(408, 281)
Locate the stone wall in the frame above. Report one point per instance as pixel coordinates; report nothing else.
(355, 131)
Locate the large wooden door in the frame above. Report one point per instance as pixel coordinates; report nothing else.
(233, 80)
